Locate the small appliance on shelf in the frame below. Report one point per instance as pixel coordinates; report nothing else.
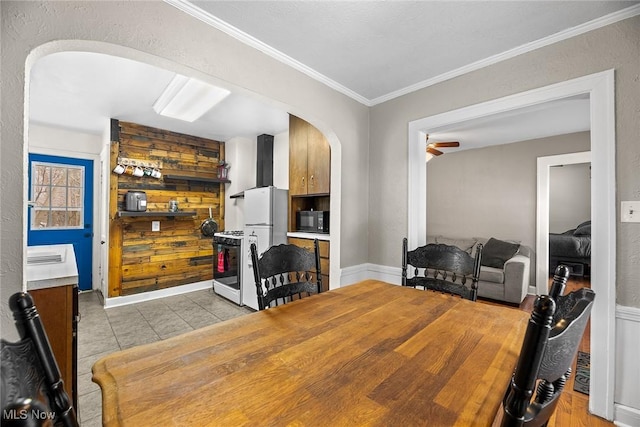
(136, 201)
(312, 221)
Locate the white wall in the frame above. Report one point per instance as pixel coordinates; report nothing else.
(569, 196)
(63, 142)
(241, 154)
(281, 160)
(627, 393)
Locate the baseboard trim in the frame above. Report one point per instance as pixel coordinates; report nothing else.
(625, 416)
(161, 293)
(627, 390)
(631, 314)
(357, 273)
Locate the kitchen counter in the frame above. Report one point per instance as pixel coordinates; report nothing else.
(51, 265)
(303, 235)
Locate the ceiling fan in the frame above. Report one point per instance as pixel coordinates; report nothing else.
(432, 147)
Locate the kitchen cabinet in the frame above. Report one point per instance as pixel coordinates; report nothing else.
(323, 246)
(309, 183)
(58, 309)
(309, 160)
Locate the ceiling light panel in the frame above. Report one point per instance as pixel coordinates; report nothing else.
(188, 99)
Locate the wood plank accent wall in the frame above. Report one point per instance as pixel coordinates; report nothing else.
(141, 260)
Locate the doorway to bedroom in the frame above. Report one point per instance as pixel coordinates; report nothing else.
(570, 218)
(563, 216)
(564, 208)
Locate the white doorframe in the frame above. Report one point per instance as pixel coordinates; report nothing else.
(95, 244)
(600, 88)
(542, 213)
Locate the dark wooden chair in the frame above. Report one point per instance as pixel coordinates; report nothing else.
(284, 272)
(444, 268)
(32, 389)
(550, 345)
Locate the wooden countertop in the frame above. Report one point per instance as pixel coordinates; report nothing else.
(367, 354)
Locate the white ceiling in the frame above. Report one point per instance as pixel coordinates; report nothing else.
(374, 50)
(369, 50)
(83, 91)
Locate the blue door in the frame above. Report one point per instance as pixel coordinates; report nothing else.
(61, 189)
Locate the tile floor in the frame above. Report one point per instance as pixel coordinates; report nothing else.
(103, 331)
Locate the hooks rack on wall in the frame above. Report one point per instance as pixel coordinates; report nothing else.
(125, 161)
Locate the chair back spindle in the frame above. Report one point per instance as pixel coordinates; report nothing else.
(550, 344)
(445, 269)
(284, 272)
(559, 283)
(30, 375)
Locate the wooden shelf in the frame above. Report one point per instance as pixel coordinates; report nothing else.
(312, 195)
(156, 213)
(195, 178)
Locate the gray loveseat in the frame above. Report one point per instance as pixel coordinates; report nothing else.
(509, 283)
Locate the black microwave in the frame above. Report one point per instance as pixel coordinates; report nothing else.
(312, 221)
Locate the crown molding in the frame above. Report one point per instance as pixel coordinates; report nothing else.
(196, 12)
(528, 47)
(187, 7)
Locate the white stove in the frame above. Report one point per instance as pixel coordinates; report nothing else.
(231, 237)
(228, 250)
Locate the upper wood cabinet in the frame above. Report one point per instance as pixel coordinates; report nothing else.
(309, 159)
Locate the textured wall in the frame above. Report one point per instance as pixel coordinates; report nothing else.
(569, 196)
(491, 192)
(161, 35)
(616, 46)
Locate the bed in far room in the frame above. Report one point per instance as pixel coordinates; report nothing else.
(571, 248)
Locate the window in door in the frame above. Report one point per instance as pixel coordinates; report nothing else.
(57, 191)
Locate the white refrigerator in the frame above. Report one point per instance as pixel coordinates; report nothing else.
(265, 217)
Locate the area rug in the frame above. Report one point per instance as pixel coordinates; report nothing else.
(581, 383)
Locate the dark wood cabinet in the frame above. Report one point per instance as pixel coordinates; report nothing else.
(309, 169)
(58, 309)
(309, 160)
(318, 163)
(309, 182)
(323, 246)
(297, 156)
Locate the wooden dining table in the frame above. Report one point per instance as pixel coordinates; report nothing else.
(371, 353)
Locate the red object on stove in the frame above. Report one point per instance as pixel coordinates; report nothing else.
(221, 262)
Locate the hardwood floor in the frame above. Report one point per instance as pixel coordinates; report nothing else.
(573, 408)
